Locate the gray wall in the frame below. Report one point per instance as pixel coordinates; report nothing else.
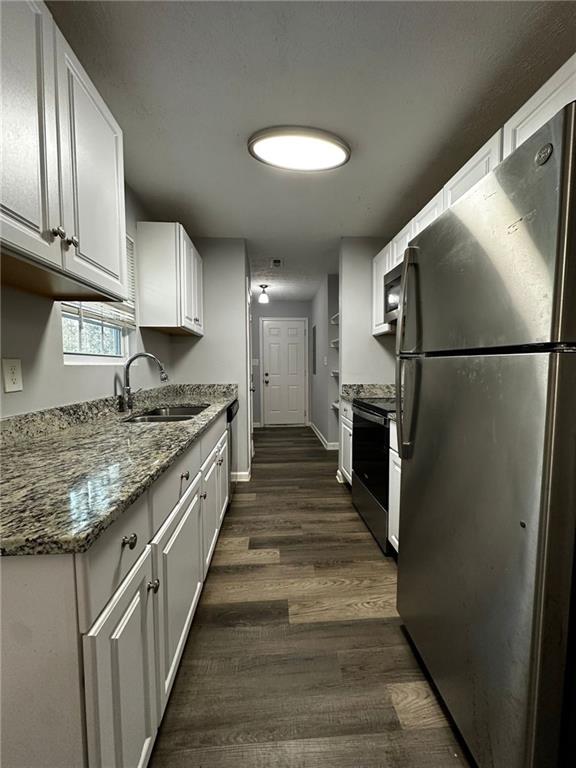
(221, 356)
(32, 332)
(274, 309)
(364, 359)
(324, 387)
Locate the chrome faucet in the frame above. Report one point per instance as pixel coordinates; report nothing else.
(127, 400)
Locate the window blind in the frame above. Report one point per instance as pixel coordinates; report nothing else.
(122, 313)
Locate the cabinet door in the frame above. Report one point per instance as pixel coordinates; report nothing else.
(210, 507)
(198, 293)
(474, 170)
(400, 243)
(186, 282)
(92, 172)
(379, 264)
(428, 214)
(555, 94)
(30, 206)
(395, 467)
(120, 674)
(223, 476)
(177, 560)
(346, 450)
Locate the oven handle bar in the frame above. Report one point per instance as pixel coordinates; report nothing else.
(382, 420)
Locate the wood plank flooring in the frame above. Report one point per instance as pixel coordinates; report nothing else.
(297, 658)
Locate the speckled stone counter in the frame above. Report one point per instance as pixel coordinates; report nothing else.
(350, 391)
(68, 473)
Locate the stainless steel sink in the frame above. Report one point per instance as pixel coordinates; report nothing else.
(167, 414)
(178, 410)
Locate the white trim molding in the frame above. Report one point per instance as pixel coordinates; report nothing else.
(320, 436)
(241, 477)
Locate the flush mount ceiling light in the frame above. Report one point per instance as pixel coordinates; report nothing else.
(298, 149)
(263, 298)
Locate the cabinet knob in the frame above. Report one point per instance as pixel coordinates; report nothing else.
(73, 241)
(203, 495)
(130, 541)
(154, 585)
(197, 320)
(185, 475)
(58, 231)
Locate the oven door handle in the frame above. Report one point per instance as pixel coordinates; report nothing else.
(382, 420)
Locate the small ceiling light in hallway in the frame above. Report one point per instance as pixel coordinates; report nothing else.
(263, 298)
(299, 149)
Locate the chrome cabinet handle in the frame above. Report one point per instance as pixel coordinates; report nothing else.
(73, 241)
(220, 462)
(197, 320)
(58, 231)
(185, 475)
(130, 541)
(203, 495)
(154, 585)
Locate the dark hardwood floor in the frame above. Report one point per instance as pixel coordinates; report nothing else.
(296, 658)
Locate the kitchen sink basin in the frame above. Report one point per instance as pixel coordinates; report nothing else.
(177, 410)
(167, 414)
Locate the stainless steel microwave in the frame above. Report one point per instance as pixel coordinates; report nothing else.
(392, 280)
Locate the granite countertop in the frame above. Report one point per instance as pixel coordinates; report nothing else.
(62, 487)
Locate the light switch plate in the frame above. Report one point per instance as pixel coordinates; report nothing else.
(12, 375)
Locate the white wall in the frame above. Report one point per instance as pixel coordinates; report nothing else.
(364, 359)
(324, 388)
(276, 308)
(32, 332)
(221, 356)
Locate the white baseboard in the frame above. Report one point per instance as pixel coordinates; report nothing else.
(240, 477)
(325, 443)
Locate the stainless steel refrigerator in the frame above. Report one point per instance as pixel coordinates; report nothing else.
(486, 372)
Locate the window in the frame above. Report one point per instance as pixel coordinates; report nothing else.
(97, 331)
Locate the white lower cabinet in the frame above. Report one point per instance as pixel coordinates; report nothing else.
(395, 472)
(210, 507)
(120, 674)
(177, 560)
(133, 649)
(223, 476)
(346, 449)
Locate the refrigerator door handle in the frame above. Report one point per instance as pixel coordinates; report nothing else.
(407, 394)
(399, 416)
(409, 260)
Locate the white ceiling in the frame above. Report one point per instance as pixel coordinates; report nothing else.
(414, 87)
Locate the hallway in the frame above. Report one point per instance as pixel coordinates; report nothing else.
(296, 657)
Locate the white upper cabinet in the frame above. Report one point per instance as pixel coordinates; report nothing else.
(474, 170)
(92, 178)
(63, 171)
(428, 214)
(380, 265)
(29, 181)
(400, 243)
(555, 94)
(169, 277)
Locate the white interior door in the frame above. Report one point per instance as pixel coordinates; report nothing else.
(284, 392)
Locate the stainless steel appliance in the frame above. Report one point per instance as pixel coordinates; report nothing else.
(486, 346)
(392, 281)
(370, 444)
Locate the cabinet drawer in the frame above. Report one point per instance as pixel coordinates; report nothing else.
(211, 437)
(393, 435)
(346, 409)
(100, 570)
(169, 488)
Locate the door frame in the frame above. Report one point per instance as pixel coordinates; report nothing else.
(306, 366)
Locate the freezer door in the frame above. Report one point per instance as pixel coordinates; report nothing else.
(498, 269)
(470, 519)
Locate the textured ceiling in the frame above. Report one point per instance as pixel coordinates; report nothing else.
(414, 87)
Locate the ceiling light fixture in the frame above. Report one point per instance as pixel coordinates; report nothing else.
(263, 298)
(299, 149)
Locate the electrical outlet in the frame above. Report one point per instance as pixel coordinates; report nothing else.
(12, 374)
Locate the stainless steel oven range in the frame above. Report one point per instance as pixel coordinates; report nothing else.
(370, 444)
